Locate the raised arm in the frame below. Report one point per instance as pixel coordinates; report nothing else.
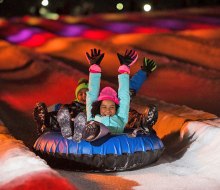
(126, 60)
(138, 79)
(94, 60)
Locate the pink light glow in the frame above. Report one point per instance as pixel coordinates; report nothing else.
(97, 34)
(37, 39)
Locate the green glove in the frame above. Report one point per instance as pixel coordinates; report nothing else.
(148, 65)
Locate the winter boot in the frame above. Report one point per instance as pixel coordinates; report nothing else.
(40, 117)
(64, 120)
(53, 121)
(79, 125)
(91, 131)
(148, 120)
(134, 119)
(94, 130)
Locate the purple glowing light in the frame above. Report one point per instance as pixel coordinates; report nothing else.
(23, 35)
(72, 30)
(171, 24)
(205, 20)
(120, 27)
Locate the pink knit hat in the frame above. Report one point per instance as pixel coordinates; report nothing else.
(108, 93)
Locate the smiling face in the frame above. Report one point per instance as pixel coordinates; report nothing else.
(107, 108)
(81, 96)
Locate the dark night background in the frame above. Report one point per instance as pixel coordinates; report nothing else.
(10, 8)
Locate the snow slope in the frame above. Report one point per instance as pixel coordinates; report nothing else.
(21, 169)
(42, 60)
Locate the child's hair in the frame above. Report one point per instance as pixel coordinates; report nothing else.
(96, 107)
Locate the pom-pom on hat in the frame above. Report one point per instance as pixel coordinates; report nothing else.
(108, 93)
(82, 83)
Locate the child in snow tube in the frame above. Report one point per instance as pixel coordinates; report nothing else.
(105, 111)
(48, 120)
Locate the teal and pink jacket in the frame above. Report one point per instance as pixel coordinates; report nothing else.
(117, 122)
